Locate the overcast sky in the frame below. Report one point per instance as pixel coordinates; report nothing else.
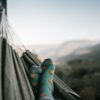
(54, 21)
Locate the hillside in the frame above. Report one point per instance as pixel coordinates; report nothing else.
(91, 52)
(61, 50)
(81, 70)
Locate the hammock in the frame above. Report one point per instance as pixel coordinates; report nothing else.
(14, 82)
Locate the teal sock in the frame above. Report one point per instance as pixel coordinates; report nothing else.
(46, 83)
(35, 72)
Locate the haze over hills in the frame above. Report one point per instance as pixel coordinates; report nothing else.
(81, 70)
(75, 47)
(91, 53)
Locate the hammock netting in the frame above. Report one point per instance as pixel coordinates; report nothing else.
(14, 81)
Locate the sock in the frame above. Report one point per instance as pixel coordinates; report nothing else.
(46, 83)
(35, 72)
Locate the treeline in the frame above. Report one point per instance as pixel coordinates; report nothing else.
(83, 76)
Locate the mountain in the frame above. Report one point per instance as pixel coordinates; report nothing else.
(44, 51)
(68, 48)
(90, 53)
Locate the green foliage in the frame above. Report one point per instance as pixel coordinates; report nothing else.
(83, 75)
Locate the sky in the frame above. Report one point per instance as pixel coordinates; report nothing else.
(54, 21)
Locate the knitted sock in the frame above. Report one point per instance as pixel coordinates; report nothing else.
(35, 72)
(46, 83)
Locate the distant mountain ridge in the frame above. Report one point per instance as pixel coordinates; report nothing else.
(75, 47)
(91, 53)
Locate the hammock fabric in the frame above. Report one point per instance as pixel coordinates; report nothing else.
(14, 71)
(14, 82)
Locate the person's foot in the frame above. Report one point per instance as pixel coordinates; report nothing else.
(46, 83)
(35, 72)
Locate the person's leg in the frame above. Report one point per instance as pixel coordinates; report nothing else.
(46, 83)
(35, 72)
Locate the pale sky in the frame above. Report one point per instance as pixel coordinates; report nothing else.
(54, 21)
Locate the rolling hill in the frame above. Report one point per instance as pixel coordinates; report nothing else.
(68, 49)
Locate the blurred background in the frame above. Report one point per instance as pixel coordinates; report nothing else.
(68, 31)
